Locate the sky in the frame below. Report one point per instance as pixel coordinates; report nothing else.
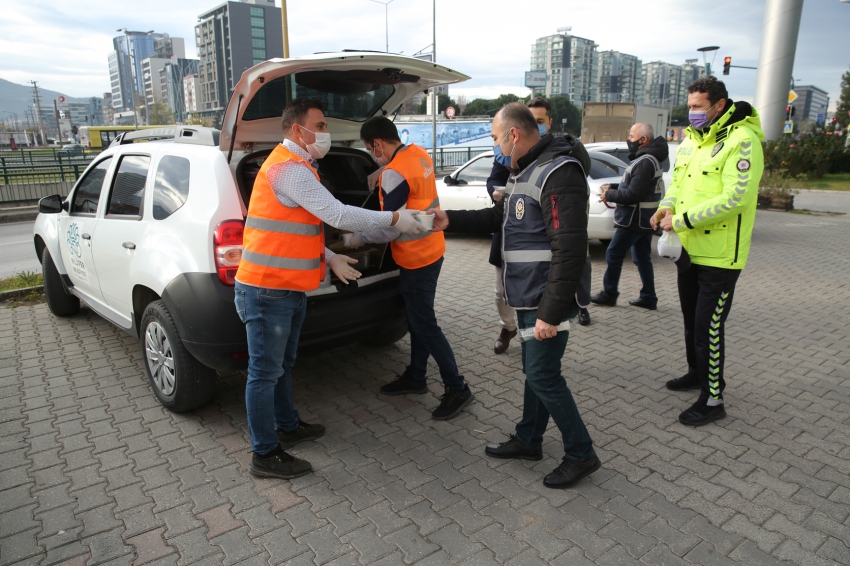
(64, 45)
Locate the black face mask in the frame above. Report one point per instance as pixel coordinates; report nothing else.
(633, 146)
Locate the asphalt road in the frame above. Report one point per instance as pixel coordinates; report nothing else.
(16, 250)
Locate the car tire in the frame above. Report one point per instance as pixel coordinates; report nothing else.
(388, 336)
(59, 302)
(180, 382)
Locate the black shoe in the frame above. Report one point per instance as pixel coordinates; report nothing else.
(699, 414)
(683, 383)
(569, 472)
(644, 304)
(583, 317)
(278, 464)
(303, 433)
(452, 402)
(403, 385)
(602, 299)
(513, 448)
(503, 340)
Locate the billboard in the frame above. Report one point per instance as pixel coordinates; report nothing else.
(449, 134)
(535, 79)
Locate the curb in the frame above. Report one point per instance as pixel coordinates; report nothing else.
(11, 294)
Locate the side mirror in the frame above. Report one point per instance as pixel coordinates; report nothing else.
(51, 205)
(449, 180)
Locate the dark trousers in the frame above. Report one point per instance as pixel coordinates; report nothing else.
(418, 288)
(641, 246)
(706, 295)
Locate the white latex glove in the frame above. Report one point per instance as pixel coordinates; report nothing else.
(340, 265)
(407, 224)
(372, 179)
(352, 240)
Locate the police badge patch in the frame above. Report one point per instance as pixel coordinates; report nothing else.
(520, 208)
(716, 149)
(743, 165)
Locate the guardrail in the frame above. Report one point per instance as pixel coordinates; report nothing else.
(455, 157)
(32, 182)
(45, 157)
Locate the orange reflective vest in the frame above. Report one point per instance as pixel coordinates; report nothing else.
(282, 248)
(415, 251)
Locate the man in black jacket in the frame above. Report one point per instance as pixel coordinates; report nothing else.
(543, 220)
(637, 200)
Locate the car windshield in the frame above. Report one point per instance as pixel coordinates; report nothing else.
(342, 97)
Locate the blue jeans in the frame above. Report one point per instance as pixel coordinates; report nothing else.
(546, 393)
(273, 319)
(641, 246)
(418, 288)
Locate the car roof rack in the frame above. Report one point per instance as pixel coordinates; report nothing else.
(194, 135)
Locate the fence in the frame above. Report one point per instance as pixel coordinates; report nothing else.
(32, 182)
(448, 157)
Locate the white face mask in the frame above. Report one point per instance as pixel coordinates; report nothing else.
(319, 148)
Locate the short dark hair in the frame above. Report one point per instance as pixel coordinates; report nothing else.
(517, 115)
(540, 102)
(714, 88)
(296, 111)
(379, 128)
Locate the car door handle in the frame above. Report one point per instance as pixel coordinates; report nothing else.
(129, 245)
(86, 236)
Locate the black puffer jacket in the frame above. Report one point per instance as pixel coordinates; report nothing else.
(569, 242)
(641, 183)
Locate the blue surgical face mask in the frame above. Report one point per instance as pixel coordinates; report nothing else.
(502, 159)
(542, 129)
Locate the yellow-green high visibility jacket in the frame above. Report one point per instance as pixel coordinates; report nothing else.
(714, 190)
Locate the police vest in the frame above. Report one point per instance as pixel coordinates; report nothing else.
(624, 215)
(526, 248)
(283, 247)
(412, 251)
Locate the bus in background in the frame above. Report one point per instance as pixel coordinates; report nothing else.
(99, 137)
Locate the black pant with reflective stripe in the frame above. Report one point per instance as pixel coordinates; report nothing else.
(705, 294)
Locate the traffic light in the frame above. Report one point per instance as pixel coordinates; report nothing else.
(727, 62)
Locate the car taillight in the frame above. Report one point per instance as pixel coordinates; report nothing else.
(227, 244)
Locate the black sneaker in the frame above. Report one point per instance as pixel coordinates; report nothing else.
(303, 433)
(278, 464)
(403, 385)
(683, 383)
(568, 472)
(513, 448)
(699, 414)
(602, 299)
(584, 317)
(452, 402)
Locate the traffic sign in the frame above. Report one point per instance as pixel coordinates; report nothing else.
(792, 96)
(789, 127)
(450, 112)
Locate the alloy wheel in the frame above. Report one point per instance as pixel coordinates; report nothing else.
(160, 358)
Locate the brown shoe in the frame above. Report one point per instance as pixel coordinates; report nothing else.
(503, 340)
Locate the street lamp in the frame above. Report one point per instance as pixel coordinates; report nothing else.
(705, 50)
(386, 19)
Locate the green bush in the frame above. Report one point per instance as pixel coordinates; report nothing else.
(813, 155)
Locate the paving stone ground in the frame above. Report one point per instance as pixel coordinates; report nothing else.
(94, 471)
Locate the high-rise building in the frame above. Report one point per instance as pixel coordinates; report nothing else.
(125, 67)
(191, 89)
(619, 78)
(107, 111)
(171, 80)
(666, 84)
(691, 71)
(166, 50)
(570, 63)
(811, 103)
(232, 38)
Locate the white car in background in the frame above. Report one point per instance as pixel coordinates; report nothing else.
(466, 189)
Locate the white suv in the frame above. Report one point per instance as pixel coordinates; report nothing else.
(150, 236)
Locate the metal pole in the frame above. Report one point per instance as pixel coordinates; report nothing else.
(38, 108)
(284, 24)
(434, 90)
(776, 62)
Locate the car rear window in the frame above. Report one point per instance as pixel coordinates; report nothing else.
(349, 100)
(171, 187)
(129, 187)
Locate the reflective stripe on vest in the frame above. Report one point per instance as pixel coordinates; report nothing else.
(526, 248)
(419, 250)
(624, 215)
(283, 247)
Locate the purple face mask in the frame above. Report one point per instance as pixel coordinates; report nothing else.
(698, 118)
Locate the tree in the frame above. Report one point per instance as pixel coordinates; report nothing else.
(844, 101)
(679, 115)
(563, 108)
(480, 107)
(194, 120)
(161, 115)
(443, 102)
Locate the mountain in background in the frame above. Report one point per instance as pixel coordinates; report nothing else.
(18, 98)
